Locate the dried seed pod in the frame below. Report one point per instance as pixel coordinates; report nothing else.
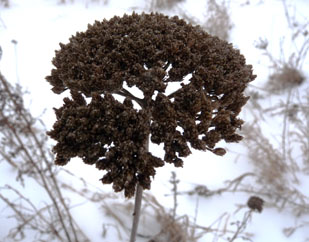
(255, 203)
(146, 51)
(219, 151)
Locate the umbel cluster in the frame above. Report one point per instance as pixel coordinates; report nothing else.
(149, 52)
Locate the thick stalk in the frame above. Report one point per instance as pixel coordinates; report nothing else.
(137, 205)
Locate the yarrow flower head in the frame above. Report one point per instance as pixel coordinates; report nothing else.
(149, 52)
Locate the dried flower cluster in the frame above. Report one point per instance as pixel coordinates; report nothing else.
(255, 203)
(147, 51)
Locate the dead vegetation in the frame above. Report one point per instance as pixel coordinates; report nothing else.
(285, 74)
(286, 69)
(279, 155)
(277, 166)
(280, 159)
(216, 18)
(86, 1)
(5, 3)
(160, 224)
(156, 5)
(24, 148)
(281, 167)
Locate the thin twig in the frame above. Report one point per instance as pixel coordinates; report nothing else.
(44, 179)
(243, 225)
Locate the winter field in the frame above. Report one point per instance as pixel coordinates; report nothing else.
(206, 200)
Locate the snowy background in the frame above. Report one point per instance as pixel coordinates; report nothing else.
(30, 32)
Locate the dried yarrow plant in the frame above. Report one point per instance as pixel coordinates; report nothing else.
(149, 52)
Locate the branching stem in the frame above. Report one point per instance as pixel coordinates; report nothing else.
(125, 93)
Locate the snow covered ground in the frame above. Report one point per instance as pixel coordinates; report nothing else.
(30, 32)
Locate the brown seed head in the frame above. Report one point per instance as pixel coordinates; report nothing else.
(147, 51)
(255, 203)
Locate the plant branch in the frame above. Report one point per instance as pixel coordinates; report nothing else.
(125, 93)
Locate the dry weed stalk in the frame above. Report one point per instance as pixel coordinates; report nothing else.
(5, 3)
(86, 1)
(222, 227)
(24, 147)
(241, 226)
(234, 185)
(281, 165)
(216, 21)
(174, 229)
(286, 160)
(156, 5)
(171, 226)
(174, 181)
(287, 72)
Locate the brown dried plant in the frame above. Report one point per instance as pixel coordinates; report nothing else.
(149, 52)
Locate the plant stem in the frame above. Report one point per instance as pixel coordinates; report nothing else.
(137, 204)
(137, 211)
